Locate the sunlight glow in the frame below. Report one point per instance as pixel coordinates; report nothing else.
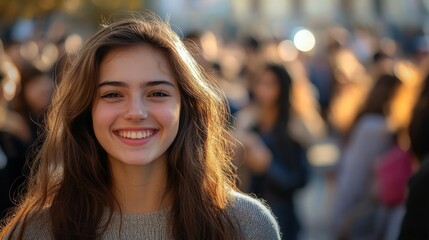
(304, 40)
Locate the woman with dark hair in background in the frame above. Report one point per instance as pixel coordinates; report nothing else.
(277, 161)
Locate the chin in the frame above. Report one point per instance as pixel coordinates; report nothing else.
(138, 160)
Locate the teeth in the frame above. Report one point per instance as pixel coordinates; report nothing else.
(135, 134)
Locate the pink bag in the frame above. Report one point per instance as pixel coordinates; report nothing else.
(392, 173)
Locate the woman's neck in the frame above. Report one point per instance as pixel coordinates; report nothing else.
(141, 189)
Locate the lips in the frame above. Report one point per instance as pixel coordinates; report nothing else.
(136, 134)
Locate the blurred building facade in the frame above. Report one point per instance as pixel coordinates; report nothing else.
(276, 16)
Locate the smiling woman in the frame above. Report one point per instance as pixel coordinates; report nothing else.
(136, 115)
(137, 147)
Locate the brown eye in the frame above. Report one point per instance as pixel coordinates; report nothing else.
(158, 94)
(111, 95)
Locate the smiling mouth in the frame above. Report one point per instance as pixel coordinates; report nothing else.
(136, 134)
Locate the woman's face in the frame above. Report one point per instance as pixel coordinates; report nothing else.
(136, 111)
(267, 89)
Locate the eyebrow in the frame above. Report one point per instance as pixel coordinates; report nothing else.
(147, 84)
(158, 82)
(112, 83)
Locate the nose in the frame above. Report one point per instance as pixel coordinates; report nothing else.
(136, 110)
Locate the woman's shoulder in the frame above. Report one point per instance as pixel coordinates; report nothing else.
(253, 217)
(36, 226)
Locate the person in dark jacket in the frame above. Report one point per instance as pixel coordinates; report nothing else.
(416, 221)
(275, 158)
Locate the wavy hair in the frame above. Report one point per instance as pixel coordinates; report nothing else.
(71, 177)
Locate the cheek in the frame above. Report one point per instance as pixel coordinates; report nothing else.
(101, 116)
(95, 115)
(168, 116)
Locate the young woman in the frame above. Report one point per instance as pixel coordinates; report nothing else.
(275, 158)
(354, 213)
(137, 148)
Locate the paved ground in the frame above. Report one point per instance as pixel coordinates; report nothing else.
(314, 204)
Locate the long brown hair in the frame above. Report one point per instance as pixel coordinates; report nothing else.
(71, 176)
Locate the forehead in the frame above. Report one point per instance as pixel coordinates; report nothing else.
(134, 51)
(141, 61)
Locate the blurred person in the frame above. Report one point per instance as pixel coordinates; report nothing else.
(32, 101)
(233, 88)
(320, 75)
(395, 167)
(277, 161)
(137, 147)
(228, 73)
(352, 84)
(10, 79)
(354, 207)
(253, 63)
(13, 133)
(324, 71)
(224, 70)
(416, 219)
(194, 44)
(34, 57)
(307, 123)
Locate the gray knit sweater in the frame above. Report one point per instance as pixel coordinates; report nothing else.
(253, 218)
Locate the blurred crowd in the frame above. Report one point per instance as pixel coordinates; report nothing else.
(345, 107)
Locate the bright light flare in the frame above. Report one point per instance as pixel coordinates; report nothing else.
(304, 40)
